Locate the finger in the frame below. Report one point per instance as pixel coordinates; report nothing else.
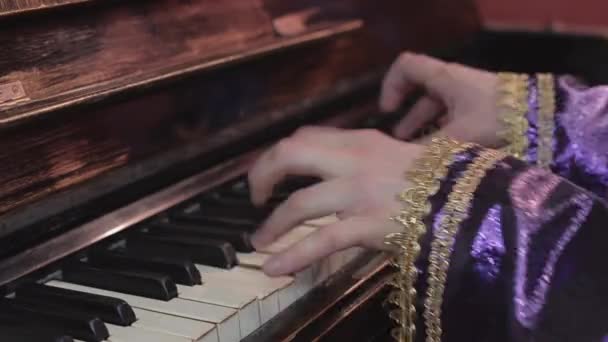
(408, 71)
(291, 158)
(320, 200)
(450, 130)
(423, 111)
(322, 243)
(322, 135)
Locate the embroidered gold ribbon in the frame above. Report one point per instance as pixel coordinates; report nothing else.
(546, 120)
(455, 212)
(425, 177)
(513, 104)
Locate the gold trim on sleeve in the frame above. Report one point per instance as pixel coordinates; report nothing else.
(546, 119)
(513, 106)
(425, 178)
(455, 212)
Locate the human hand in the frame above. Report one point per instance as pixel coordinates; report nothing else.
(467, 96)
(362, 173)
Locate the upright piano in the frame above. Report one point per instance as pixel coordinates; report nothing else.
(126, 130)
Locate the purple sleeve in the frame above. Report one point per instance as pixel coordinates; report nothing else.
(527, 261)
(568, 130)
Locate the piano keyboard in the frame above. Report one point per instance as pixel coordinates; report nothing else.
(189, 274)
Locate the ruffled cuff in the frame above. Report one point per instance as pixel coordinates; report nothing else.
(493, 249)
(557, 123)
(448, 175)
(527, 104)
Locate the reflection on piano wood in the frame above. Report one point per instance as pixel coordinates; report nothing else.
(15, 7)
(127, 128)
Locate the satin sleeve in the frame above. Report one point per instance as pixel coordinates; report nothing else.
(520, 259)
(565, 128)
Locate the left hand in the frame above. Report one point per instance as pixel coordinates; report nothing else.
(467, 96)
(362, 173)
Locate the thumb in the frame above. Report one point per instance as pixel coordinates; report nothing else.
(410, 71)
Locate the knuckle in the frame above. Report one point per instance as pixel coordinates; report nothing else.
(283, 148)
(305, 131)
(406, 58)
(443, 72)
(368, 191)
(333, 240)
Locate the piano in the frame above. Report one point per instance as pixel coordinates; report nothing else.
(126, 132)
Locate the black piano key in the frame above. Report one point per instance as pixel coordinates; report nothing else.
(239, 239)
(143, 284)
(196, 218)
(25, 333)
(228, 199)
(75, 324)
(293, 184)
(181, 270)
(202, 251)
(240, 189)
(110, 310)
(243, 212)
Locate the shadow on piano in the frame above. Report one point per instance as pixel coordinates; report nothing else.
(126, 130)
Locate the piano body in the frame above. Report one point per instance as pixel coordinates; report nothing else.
(125, 130)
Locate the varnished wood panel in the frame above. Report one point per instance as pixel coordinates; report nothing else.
(67, 57)
(64, 156)
(14, 7)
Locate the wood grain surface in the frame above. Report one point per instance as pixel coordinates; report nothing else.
(114, 56)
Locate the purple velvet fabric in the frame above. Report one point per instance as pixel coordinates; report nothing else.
(532, 116)
(528, 264)
(581, 137)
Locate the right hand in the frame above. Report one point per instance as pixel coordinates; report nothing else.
(362, 173)
(467, 96)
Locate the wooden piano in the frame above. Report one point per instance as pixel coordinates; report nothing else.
(126, 128)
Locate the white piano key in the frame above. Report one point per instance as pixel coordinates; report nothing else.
(338, 260)
(213, 293)
(268, 296)
(352, 253)
(271, 292)
(304, 281)
(287, 294)
(321, 270)
(288, 239)
(193, 330)
(253, 260)
(335, 262)
(225, 319)
(131, 334)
